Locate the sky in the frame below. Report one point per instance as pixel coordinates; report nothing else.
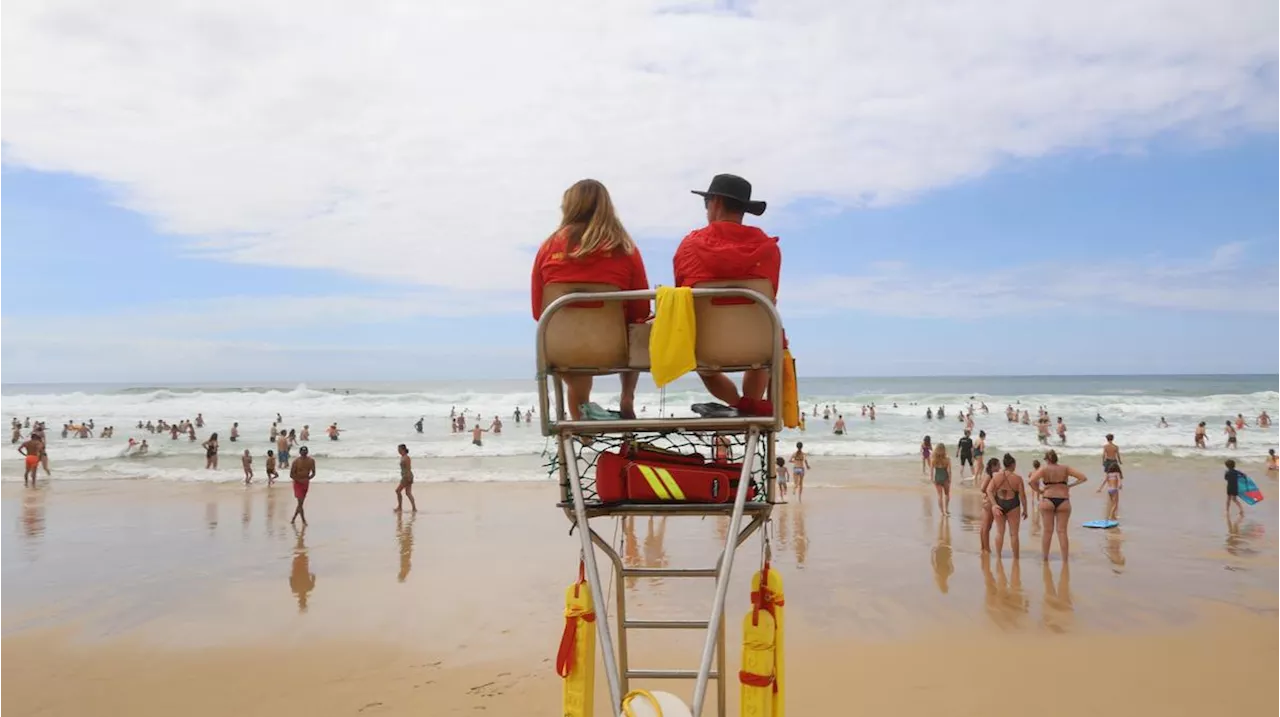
(243, 192)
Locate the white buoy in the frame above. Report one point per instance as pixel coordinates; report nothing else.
(645, 703)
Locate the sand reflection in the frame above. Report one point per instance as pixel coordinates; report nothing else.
(33, 512)
(941, 557)
(301, 580)
(404, 536)
(1006, 603)
(1058, 612)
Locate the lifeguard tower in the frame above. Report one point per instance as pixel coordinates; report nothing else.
(583, 330)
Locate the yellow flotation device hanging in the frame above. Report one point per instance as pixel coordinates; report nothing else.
(790, 393)
(576, 658)
(762, 675)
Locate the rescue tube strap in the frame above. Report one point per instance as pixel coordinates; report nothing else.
(753, 680)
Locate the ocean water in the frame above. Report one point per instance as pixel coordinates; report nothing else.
(375, 417)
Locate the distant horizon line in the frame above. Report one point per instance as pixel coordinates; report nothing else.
(295, 382)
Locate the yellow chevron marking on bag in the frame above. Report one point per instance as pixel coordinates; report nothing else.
(671, 483)
(655, 483)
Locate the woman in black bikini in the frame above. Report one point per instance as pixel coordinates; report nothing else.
(1054, 481)
(1008, 498)
(211, 452)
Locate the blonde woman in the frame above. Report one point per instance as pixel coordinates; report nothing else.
(591, 245)
(941, 463)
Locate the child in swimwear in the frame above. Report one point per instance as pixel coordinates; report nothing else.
(271, 468)
(799, 466)
(1232, 476)
(247, 461)
(784, 476)
(1113, 482)
(1272, 464)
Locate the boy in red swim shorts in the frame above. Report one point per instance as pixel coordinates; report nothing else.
(301, 472)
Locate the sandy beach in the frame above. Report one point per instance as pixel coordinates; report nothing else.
(143, 598)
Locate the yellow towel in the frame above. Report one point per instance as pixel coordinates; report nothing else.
(671, 345)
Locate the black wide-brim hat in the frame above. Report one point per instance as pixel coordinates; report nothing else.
(733, 187)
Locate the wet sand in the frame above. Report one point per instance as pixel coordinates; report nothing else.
(146, 598)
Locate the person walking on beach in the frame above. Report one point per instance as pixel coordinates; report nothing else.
(246, 461)
(1231, 435)
(1008, 505)
(1110, 454)
(926, 449)
(942, 477)
(1232, 476)
(406, 480)
(1053, 480)
(30, 451)
(783, 478)
(590, 245)
(799, 467)
(301, 472)
(270, 468)
(211, 452)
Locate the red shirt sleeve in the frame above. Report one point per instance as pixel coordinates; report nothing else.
(536, 288)
(637, 311)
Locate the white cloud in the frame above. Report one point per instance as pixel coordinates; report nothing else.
(429, 142)
(1064, 289)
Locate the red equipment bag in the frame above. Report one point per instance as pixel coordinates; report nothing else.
(658, 477)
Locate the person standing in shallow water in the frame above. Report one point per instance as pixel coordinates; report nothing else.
(406, 480)
(301, 473)
(1008, 504)
(211, 452)
(1054, 482)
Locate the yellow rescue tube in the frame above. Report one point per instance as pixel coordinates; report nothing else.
(576, 658)
(772, 600)
(757, 675)
(790, 392)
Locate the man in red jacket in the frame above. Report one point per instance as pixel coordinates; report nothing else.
(726, 249)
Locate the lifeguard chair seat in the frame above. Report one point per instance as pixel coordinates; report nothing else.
(733, 333)
(587, 336)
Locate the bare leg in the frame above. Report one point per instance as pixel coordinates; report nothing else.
(942, 508)
(722, 387)
(627, 402)
(413, 504)
(946, 494)
(1063, 522)
(999, 519)
(579, 392)
(400, 498)
(1014, 521)
(1046, 534)
(755, 383)
(984, 531)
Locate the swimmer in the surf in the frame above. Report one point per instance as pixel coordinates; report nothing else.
(1200, 435)
(1264, 421)
(418, 425)
(306, 434)
(1062, 431)
(333, 432)
(1231, 435)
(477, 435)
(496, 426)
(235, 432)
(839, 427)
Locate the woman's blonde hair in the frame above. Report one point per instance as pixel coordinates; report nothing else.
(589, 221)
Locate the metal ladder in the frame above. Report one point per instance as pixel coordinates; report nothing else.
(618, 672)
